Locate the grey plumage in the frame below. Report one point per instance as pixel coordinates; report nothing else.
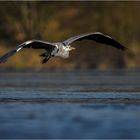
(35, 44)
(62, 48)
(98, 37)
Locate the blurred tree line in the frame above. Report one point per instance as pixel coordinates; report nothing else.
(56, 21)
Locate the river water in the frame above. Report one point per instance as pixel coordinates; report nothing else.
(70, 104)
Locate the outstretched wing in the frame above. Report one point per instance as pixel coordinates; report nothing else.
(98, 37)
(35, 44)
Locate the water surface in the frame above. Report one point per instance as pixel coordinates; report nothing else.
(74, 104)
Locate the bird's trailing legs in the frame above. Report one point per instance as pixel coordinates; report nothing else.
(46, 56)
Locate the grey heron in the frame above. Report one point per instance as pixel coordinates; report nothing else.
(62, 49)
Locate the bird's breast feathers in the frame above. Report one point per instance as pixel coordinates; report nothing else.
(61, 51)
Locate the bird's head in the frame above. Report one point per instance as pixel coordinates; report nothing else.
(70, 48)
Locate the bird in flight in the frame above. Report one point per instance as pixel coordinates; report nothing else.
(62, 49)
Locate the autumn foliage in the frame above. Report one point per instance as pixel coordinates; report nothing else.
(56, 21)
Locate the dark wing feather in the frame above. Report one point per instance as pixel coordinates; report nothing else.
(98, 37)
(35, 44)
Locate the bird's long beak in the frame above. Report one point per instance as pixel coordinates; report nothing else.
(71, 48)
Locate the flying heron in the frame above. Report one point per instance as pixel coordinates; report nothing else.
(62, 49)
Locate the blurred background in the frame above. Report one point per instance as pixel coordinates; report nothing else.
(56, 21)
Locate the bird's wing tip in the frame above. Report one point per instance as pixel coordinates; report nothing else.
(125, 49)
(2, 60)
(122, 48)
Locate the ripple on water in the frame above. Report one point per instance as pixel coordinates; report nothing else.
(70, 105)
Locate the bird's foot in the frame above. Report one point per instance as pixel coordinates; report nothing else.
(43, 55)
(45, 59)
